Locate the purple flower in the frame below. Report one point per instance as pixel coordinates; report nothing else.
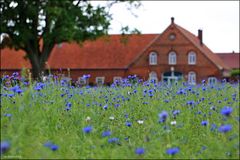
(5, 146)
(51, 146)
(113, 140)
(172, 151)
(69, 104)
(225, 128)
(204, 123)
(175, 112)
(54, 147)
(139, 151)
(163, 116)
(106, 133)
(8, 115)
(190, 103)
(129, 124)
(87, 129)
(105, 107)
(226, 111)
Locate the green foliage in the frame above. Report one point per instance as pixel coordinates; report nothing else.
(41, 116)
(235, 72)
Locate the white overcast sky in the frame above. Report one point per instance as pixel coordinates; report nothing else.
(219, 20)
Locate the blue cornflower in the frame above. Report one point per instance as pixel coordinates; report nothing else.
(175, 112)
(204, 123)
(69, 104)
(226, 111)
(51, 146)
(10, 95)
(15, 74)
(139, 151)
(5, 146)
(225, 128)
(113, 140)
(166, 100)
(16, 89)
(68, 108)
(37, 88)
(105, 107)
(106, 133)
(213, 108)
(129, 124)
(87, 129)
(163, 116)
(172, 151)
(54, 147)
(190, 103)
(8, 115)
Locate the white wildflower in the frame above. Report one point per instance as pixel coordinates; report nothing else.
(111, 118)
(88, 118)
(173, 122)
(140, 122)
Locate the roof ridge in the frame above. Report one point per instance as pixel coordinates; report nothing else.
(144, 49)
(218, 62)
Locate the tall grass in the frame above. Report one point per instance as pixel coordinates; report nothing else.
(49, 120)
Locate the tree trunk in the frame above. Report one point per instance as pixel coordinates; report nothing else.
(38, 57)
(37, 69)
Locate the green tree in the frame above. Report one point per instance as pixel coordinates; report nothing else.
(35, 26)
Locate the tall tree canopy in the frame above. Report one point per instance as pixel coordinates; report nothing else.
(27, 22)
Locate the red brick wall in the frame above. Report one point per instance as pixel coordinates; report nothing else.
(109, 74)
(203, 68)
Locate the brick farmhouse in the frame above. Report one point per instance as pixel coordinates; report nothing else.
(175, 54)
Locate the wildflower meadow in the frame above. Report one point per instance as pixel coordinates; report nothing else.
(130, 119)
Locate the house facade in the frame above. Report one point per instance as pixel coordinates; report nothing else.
(173, 55)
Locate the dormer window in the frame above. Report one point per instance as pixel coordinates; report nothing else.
(172, 58)
(153, 58)
(192, 58)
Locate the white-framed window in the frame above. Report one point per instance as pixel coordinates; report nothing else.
(82, 81)
(212, 80)
(65, 78)
(100, 80)
(192, 58)
(153, 77)
(172, 58)
(153, 58)
(117, 79)
(192, 78)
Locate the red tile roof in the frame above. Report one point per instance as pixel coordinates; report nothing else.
(203, 48)
(12, 59)
(231, 59)
(105, 52)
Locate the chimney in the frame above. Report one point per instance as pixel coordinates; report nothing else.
(172, 20)
(200, 36)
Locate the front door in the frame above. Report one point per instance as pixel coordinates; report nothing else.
(172, 77)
